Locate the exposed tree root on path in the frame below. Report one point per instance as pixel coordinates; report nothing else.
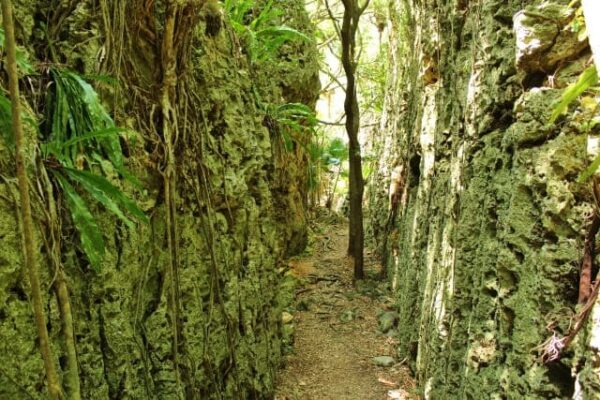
(336, 331)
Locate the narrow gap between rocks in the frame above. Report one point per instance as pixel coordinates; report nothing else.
(344, 344)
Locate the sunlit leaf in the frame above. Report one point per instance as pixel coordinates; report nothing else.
(587, 79)
(582, 35)
(338, 149)
(589, 171)
(284, 33)
(100, 134)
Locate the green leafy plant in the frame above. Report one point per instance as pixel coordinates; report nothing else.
(290, 120)
(77, 123)
(237, 11)
(22, 59)
(262, 38)
(335, 153)
(80, 137)
(587, 79)
(589, 171)
(326, 167)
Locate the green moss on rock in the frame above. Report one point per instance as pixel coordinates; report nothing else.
(484, 254)
(231, 241)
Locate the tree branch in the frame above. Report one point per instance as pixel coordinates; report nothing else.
(333, 20)
(334, 78)
(338, 123)
(363, 8)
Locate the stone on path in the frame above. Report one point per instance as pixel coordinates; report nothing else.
(384, 361)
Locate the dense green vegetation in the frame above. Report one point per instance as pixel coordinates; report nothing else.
(160, 162)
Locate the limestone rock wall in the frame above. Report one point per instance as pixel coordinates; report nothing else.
(231, 284)
(474, 204)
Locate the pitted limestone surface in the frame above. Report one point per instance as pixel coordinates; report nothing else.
(231, 240)
(484, 253)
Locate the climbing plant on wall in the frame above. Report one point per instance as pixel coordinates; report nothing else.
(81, 143)
(258, 28)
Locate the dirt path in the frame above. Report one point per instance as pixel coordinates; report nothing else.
(336, 335)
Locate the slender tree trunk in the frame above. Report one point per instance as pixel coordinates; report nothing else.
(352, 14)
(54, 388)
(66, 314)
(71, 380)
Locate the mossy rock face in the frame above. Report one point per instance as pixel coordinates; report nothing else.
(542, 40)
(231, 241)
(297, 67)
(484, 254)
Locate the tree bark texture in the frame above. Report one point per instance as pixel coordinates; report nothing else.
(352, 14)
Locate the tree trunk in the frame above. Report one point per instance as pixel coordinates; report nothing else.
(352, 14)
(71, 381)
(54, 388)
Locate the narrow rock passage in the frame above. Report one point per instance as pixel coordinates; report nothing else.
(337, 335)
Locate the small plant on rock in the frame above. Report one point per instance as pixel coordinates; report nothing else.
(261, 35)
(81, 146)
(290, 120)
